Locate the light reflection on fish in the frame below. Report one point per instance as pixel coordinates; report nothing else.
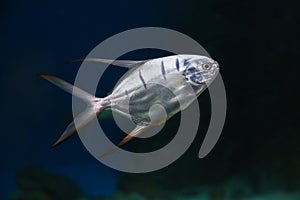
(148, 82)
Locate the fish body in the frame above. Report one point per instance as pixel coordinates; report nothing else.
(165, 81)
(158, 81)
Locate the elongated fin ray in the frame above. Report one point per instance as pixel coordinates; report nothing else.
(82, 119)
(119, 63)
(69, 88)
(135, 132)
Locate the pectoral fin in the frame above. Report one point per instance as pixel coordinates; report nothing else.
(119, 63)
(178, 78)
(135, 132)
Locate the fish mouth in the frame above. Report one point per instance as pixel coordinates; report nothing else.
(216, 71)
(216, 68)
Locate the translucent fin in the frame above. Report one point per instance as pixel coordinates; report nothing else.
(175, 78)
(82, 119)
(69, 88)
(135, 132)
(119, 63)
(94, 108)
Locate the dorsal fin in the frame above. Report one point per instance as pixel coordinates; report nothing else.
(119, 63)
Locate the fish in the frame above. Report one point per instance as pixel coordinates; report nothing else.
(165, 81)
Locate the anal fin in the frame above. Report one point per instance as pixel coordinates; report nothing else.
(138, 130)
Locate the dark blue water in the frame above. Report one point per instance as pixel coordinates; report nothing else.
(255, 42)
(38, 38)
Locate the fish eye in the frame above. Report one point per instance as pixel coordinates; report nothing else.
(206, 66)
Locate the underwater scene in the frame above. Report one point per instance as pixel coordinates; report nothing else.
(249, 64)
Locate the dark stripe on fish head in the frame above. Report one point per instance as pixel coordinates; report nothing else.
(177, 64)
(186, 61)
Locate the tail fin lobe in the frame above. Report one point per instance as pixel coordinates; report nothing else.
(94, 108)
(69, 88)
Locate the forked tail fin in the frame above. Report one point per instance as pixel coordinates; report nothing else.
(94, 107)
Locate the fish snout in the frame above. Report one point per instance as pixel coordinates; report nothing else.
(215, 67)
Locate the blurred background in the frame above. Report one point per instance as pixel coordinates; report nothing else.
(257, 46)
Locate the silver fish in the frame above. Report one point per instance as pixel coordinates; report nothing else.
(148, 82)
